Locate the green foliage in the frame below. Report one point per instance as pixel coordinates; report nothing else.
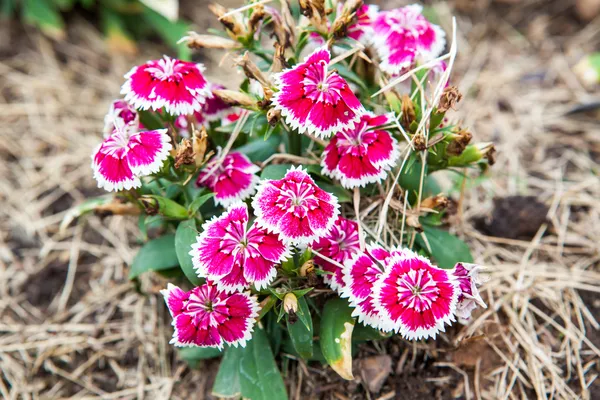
(335, 335)
(185, 236)
(301, 330)
(156, 255)
(446, 249)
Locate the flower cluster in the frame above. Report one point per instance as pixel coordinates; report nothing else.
(193, 154)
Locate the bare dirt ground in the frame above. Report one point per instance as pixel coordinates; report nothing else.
(73, 326)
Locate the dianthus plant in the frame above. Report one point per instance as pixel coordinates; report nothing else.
(299, 212)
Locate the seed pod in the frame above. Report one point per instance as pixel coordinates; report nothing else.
(450, 96)
(199, 144)
(473, 154)
(251, 70)
(196, 41)
(459, 143)
(234, 98)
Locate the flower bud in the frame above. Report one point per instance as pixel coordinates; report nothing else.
(196, 41)
(408, 112)
(251, 70)
(281, 29)
(307, 268)
(473, 154)
(435, 202)
(273, 116)
(279, 61)
(419, 142)
(199, 143)
(460, 141)
(258, 13)
(290, 303)
(163, 206)
(450, 96)
(185, 154)
(234, 98)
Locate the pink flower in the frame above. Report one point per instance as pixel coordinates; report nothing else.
(314, 99)
(121, 115)
(339, 244)
(414, 297)
(124, 157)
(359, 276)
(469, 277)
(207, 317)
(234, 256)
(176, 85)
(361, 155)
(232, 180)
(295, 208)
(403, 35)
(362, 29)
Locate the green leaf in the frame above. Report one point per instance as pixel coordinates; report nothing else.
(193, 355)
(260, 149)
(227, 382)
(335, 335)
(44, 15)
(301, 332)
(170, 32)
(259, 377)
(185, 236)
(446, 249)
(362, 333)
(301, 292)
(156, 255)
(342, 194)
(198, 202)
(150, 120)
(276, 171)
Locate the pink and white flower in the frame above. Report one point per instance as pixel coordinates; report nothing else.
(236, 256)
(176, 85)
(359, 276)
(361, 155)
(315, 99)
(340, 244)
(232, 179)
(122, 116)
(362, 29)
(124, 157)
(208, 317)
(469, 277)
(415, 298)
(403, 35)
(295, 208)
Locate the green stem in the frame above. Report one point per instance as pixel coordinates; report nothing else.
(295, 140)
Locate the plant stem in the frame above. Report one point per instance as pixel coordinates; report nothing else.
(295, 143)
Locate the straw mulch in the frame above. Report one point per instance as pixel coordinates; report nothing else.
(73, 326)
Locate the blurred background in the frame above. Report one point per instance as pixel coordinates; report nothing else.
(73, 326)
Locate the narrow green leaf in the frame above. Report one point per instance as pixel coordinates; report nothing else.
(301, 331)
(362, 333)
(274, 171)
(301, 292)
(227, 382)
(193, 355)
(260, 149)
(335, 335)
(185, 236)
(446, 249)
(342, 194)
(80, 209)
(259, 377)
(156, 255)
(199, 202)
(44, 15)
(150, 120)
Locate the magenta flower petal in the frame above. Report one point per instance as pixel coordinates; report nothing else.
(469, 277)
(402, 35)
(314, 99)
(295, 208)
(339, 244)
(414, 297)
(176, 85)
(362, 29)
(123, 158)
(362, 155)
(234, 179)
(120, 115)
(234, 256)
(207, 317)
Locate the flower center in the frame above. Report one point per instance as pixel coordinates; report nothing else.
(167, 69)
(417, 290)
(323, 87)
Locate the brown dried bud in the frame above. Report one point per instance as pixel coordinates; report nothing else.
(307, 268)
(234, 98)
(408, 112)
(435, 202)
(282, 31)
(419, 142)
(289, 22)
(251, 70)
(258, 13)
(345, 18)
(116, 207)
(450, 96)
(273, 116)
(185, 154)
(460, 142)
(232, 23)
(315, 11)
(199, 144)
(196, 41)
(279, 61)
(489, 153)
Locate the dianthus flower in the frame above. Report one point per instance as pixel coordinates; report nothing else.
(403, 35)
(339, 244)
(295, 208)
(316, 99)
(235, 256)
(208, 317)
(361, 155)
(232, 179)
(469, 277)
(176, 85)
(121, 115)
